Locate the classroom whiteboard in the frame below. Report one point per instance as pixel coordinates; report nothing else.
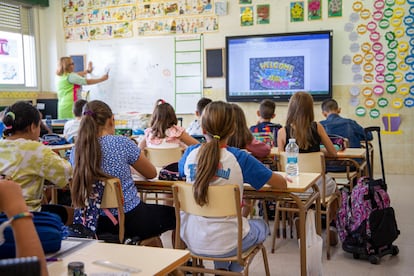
(141, 70)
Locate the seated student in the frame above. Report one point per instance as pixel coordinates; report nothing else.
(26, 239)
(194, 128)
(70, 130)
(242, 138)
(25, 159)
(309, 135)
(204, 165)
(100, 154)
(266, 113)
(337, 125)
(164, 131)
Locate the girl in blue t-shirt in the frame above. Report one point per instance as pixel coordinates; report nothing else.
(214, 163)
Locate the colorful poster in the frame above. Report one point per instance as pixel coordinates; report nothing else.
(280, 73)
(297, 11)
(246, 16)
(334, 8)
(241, 2)
(314, 10)
(263, 12)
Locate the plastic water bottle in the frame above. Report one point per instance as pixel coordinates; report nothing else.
(292, 152)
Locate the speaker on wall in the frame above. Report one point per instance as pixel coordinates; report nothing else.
(214, 63)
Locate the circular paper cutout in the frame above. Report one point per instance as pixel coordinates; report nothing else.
(357, 59)
(357, 6)
(353, 36)
(354, 90)
(379, 4)
(378, 90)
(395, 21)
(368, 78)
(361, 29)
(368, 67)
(397, 103)
(366, 47)
(365, 14)
(391, 55)
(403, 46)
(390, 2)
(399, 32)
(380, 68)
(367, 91)
(392, 44)
(400, 2)
(357, 78)
(369, 102)
(380, 78)
(348, 27)
(384, 23)
(371, 26)
(403, 66)
(412, 90)
(389, 36)
(374, 113)
(389, 77)
(388, 12)
(410, 31)
(398, 77)
(377, 47)
(354, 47)
(354, 101)
(399, 12)
(402, 55)
(356, 68)
(409, 77)
(391, 88)
(377, 15)
(374, 36)
(380, 56)
(392, 66)
(403, 89)
(408, 20)
(382, 102)
(369, 56)
(409, 59)
(360, 111)
(409, 102)
(354, 17)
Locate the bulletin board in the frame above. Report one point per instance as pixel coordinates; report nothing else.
(141, 70)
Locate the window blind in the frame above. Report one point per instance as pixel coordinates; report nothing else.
(15, 18)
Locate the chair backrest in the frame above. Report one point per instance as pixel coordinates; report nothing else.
(223, 200)
(309, 162)
(114, 198)
(160, 157)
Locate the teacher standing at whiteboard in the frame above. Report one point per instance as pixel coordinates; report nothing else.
(68, 83)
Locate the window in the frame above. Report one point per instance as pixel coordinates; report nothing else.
(17, 47)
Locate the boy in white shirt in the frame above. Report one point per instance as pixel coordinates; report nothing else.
(194, 128)
(70, 130)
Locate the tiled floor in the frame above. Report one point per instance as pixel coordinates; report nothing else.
(285, 260)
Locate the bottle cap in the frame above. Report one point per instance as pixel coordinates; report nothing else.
(292, 140)
(75, 268)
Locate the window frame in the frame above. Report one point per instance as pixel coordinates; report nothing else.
(28, 31)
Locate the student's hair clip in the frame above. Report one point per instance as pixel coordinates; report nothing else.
(89, 112)
(161, 102)
(11, 114)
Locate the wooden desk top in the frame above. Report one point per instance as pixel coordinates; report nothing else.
(346, 153)
(300, 184)
(149, 260)
(57, 148)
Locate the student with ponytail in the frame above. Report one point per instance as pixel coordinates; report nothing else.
(215, 163)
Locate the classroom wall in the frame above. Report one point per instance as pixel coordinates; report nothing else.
(398, 148)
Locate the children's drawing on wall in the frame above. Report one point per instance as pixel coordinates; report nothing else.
(334, 8)
(263, 13)
(246, 16)
(179, 25)
(11, 61)
(153, 9)
(314, 9)
(297, 11)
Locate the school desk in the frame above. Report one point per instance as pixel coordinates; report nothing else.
(300, 185)
(148, 260)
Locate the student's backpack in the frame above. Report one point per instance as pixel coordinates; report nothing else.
(53, 139)
(49, 228)
(365, 222)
